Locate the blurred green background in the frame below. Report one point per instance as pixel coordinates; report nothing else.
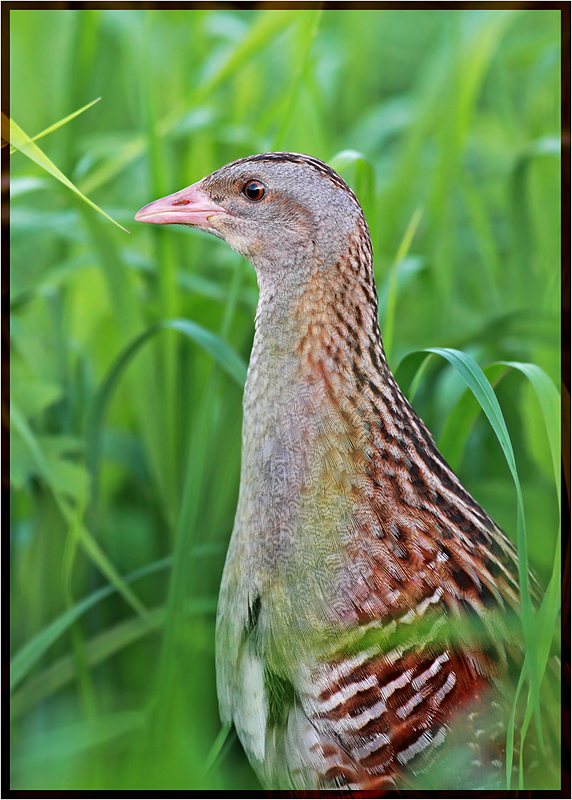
(124, 472)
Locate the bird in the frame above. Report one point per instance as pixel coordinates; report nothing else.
(365, 624)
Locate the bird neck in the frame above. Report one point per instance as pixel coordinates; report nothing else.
(328, 320)
(317, 355)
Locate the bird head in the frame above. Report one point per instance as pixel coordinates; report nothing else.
(285, 212)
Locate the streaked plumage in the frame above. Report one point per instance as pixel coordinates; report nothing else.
(358, 563)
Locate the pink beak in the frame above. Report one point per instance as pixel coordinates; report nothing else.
(190, 206)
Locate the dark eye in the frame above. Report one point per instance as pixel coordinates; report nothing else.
(254, 190)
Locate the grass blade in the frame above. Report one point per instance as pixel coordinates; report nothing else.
(69, 740)
(389, 322)
(31, 652)
(549, 400)
(217, 747)
(69, 513)
(59, 124)
(462, 418)
(22, 142)
(209, 341)
(290, 95)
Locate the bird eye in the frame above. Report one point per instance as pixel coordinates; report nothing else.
(254, 190)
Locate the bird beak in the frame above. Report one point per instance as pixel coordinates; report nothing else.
(190, 206)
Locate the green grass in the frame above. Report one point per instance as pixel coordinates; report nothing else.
(128, 351)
